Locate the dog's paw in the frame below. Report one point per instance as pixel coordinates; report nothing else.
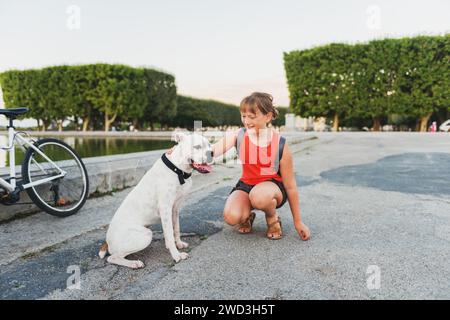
(182, 245)
(136, 264)
(181, 256)
(184, 255)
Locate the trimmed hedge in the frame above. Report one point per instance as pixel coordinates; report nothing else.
(56, 93)
(212, 113)
(407, 77)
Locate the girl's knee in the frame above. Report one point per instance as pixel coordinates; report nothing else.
(259, 202)
(231, 218)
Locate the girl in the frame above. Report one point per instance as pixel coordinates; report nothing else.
(263, 185)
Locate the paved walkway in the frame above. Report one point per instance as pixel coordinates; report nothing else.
(377, 204)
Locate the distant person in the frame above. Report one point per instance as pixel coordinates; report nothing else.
(434, 126)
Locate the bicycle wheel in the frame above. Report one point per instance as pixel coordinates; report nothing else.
(62, 196)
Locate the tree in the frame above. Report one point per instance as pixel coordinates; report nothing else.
(424, 66)
(378, 80)
(161, 102)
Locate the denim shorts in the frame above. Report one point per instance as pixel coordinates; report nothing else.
(248, 187)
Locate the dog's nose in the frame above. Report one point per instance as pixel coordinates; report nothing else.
(209, 156)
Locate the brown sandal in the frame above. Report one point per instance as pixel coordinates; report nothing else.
(271, 229)
(247, 224)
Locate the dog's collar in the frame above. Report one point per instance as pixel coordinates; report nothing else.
(181, 174)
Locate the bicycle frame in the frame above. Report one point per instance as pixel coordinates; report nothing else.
(12, 135)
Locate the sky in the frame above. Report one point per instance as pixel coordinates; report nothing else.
(221, 50)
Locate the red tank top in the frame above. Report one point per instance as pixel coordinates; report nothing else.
(258, 163)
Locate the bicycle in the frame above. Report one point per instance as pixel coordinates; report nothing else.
(53, 175)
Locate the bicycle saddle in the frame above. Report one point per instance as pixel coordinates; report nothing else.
(13, 112)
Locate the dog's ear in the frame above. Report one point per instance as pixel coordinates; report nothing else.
(178, 136)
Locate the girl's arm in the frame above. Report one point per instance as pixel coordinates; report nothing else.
(225, 144)
(287, 172)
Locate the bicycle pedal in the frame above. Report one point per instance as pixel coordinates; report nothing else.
(9, 198)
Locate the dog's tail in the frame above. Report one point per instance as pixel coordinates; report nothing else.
(103, 250)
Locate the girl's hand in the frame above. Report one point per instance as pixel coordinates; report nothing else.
(303, 231)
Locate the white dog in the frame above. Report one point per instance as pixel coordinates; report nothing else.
(157, 196)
